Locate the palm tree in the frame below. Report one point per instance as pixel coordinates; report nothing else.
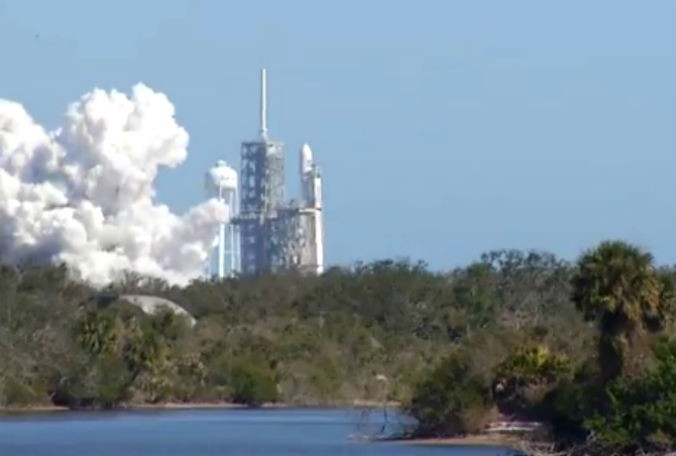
(97, 332)
(617, 286)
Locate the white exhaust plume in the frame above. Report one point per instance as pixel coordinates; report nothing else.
(83, 193)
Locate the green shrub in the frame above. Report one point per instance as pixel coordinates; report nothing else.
(449, 400)
(103, 382)
(246, 380)
(252, 385)
(566, 407)
(524, 378)
(640, 413)
(15, 392)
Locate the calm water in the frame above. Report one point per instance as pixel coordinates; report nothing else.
(205, 433)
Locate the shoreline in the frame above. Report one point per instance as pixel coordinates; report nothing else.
(171, 405)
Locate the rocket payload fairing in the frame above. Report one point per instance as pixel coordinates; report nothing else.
(306, 160)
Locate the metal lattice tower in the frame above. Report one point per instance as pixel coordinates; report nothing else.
(261, 192)
(273, 232)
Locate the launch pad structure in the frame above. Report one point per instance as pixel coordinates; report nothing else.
(276, 234)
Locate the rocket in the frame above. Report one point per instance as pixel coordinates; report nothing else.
(311, 185)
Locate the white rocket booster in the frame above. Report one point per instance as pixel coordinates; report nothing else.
(311, 185)
(319, 220)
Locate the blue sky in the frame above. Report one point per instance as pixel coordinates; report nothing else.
(444, 128)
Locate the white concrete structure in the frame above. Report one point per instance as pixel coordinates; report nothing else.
(153, 304)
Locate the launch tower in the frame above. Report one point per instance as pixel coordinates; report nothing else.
(276, 234)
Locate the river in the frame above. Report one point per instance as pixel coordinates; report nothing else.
(277, 432)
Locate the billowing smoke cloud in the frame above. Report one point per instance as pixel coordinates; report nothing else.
(83, 193)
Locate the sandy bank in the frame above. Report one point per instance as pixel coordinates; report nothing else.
(195, 405)
(33, 408)
(469, 440)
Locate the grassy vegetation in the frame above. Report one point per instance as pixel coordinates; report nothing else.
(583, 347)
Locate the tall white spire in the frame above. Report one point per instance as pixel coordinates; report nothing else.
(264, 105)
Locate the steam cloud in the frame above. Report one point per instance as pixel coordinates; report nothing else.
(83, 193)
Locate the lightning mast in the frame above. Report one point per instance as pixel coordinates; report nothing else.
(264, 106)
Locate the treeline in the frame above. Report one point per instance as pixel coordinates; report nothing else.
(515, 334)
(301, 340)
